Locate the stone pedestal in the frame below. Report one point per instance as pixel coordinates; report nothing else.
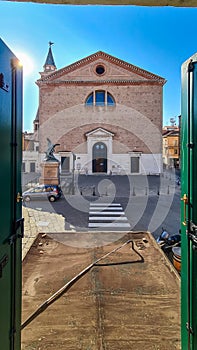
(50, 173)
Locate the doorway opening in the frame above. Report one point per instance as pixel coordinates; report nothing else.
(65, 164)
(99, 159)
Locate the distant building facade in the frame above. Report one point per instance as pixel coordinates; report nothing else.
(30, 147)
(105, 113)
(171, 147)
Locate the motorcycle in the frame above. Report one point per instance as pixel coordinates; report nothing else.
(168, 243)
(165, 239)
(171, 246)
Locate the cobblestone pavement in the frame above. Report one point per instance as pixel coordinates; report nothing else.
(36, 222)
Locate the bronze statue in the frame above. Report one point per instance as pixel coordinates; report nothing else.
(49, 152)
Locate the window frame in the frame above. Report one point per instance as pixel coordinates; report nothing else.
(94, 101)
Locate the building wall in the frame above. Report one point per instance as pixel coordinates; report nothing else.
(64, 109)
(135, 120)
(30, 153)
(171, 149)
(30, 158)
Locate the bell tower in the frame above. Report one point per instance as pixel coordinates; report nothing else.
(49, 66)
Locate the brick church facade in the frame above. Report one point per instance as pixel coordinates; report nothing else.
(105, 114)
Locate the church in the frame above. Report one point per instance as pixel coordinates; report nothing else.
(105, 114)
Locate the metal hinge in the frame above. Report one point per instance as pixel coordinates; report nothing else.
(19, 224)
(3, 262)
(189, 328)
(193, 233)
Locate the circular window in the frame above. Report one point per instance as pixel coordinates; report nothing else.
(100, 69)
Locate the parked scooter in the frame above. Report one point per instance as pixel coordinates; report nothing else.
(171, 246)
(167, 241)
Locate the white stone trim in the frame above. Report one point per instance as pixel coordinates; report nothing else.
(99, 135)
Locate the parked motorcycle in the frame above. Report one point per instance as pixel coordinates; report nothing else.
(171, 246)
(165, 240)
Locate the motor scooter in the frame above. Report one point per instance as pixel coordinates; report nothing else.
(167, 242)
(171, 246)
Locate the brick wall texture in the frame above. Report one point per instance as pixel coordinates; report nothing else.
(135, 119)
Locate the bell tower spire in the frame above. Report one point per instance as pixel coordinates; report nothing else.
(49, 65)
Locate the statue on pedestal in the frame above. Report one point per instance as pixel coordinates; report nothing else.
(49, 152)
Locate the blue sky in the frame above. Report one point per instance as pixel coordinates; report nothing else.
(157, 39)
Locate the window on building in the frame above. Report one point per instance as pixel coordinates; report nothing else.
(100, 69)
(89, 100)
(175, 142)
(110, 100)
(135, 164)
(30, 145)
(32, 167)
(23, 167)
(100, 98)
(65, 164)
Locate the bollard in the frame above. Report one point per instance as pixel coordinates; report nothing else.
(158, 193)
(81, 193)
(134, 191)
(93, 191)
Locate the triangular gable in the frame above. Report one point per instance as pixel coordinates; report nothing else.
(99, 132)
(83, 69)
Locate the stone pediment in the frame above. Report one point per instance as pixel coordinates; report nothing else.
(115, 71)
(99, 132)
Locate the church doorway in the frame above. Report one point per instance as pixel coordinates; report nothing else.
(65, 164)
(99, 159)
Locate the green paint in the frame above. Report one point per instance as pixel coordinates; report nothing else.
(189, 188)
(10, 182)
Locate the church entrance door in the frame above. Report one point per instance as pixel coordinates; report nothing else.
(99, 159)
(65, 164)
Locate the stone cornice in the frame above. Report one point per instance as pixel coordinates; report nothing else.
(96, 130)
(101, 82)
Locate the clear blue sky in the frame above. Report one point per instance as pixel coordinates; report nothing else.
(157, 39)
